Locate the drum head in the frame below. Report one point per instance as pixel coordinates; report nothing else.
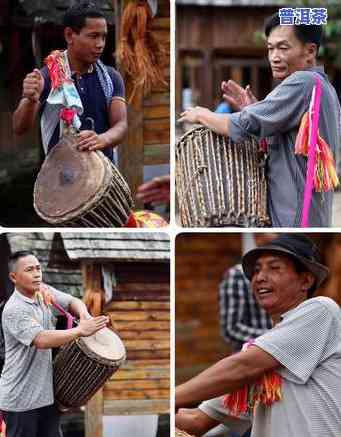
(105, 344)
(70, 181)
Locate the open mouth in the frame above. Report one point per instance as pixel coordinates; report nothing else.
(264, 291)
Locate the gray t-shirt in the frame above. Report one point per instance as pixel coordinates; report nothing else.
(277, 118)
(26, 381)
(307, 342)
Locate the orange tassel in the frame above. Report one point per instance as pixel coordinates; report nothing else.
(325, 176)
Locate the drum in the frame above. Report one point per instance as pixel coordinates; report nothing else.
(219, 182)
(179, 433)
(82, 367)
(81, 189)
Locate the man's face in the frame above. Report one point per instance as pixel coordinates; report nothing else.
(27, 276)
(287, 54)
(87, 46)
(276, 284)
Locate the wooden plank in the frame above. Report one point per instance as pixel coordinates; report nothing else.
(142, 315)
(157, 136)
(156, 112)
(139, 384)
(129, 375)
(145, 325)
(131, 407)
(145, 335)
(93, 416)
(162, 295)
(116, 306)
(136, 394)
(149, 364)
(142, 286)
(156, 99)
(151, 354)
(146, 345)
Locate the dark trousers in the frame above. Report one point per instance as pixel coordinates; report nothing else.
(42, 422)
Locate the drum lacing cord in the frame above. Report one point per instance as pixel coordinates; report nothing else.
(196, 173)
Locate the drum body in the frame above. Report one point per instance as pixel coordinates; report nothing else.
(82, 367)
(219, 182)
(81, 189)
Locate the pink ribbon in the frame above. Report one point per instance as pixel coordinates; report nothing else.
(314, 111)
(68, 316)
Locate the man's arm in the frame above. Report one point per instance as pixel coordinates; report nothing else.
(48, 339)
(89, 140)
(229, 374)
(219, 123)
(26, 113)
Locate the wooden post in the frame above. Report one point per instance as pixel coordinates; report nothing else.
(94, 416)
(92, 281)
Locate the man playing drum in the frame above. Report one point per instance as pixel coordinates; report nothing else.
(288, 380)
(26, 383)
(292, 52)
(100, 88)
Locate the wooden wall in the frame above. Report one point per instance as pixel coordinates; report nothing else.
(215, 43)
(200, 262)
(148, 137)
(140, 314)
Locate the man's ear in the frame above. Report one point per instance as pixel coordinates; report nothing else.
(68, 35)
(13, 277)
(311, 50)
(308, 280)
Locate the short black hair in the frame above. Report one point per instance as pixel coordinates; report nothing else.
(75, 17)
(304, 33)
(14, 258)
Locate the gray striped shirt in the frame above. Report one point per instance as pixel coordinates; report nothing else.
(277, 118)
(26, 381)
(307, 342)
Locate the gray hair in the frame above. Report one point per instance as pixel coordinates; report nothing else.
(14, 258)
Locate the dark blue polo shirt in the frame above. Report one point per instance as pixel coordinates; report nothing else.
(93, 100)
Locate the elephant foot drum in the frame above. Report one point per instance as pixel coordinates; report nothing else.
(82, 367)
(81, 189)
(219, 182)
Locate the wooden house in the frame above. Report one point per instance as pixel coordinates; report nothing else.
(200, 261)
(29, 31)
(130, 272)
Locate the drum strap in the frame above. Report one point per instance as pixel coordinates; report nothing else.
(69, 317)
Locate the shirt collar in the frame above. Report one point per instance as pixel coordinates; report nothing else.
(24, 298)
(318, 69)
(286, 314)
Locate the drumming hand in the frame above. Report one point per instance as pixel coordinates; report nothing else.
(156, 191)
(90, 327)
(88, 140)
(236, 96)
(193, 115)
(33, 85)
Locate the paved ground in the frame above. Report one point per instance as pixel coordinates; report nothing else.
(337, 210)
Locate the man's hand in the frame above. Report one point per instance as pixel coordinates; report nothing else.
(193, 115)
(33, 85)
(156, 191)
(236, 96)
(88, 140)
(90, 327)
